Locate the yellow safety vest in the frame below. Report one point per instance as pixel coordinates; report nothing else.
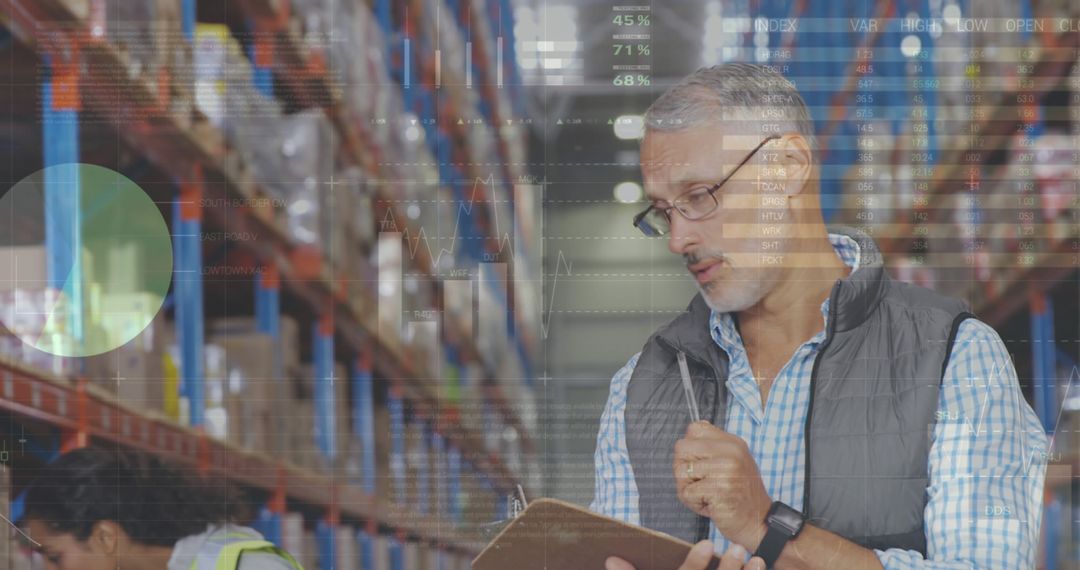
(222, 551)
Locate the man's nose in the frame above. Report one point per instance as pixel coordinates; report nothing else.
(683, 236)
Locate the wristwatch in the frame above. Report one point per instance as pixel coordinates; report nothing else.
(784, 523)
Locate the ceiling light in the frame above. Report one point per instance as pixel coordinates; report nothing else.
(629, 127)
(628, 192)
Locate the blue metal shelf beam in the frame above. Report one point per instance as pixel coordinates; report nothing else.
(268, 321)
(260, 52)
(364, 421)
(63, 224)
(188, 295)
(1044, 360)
(325, 411)
(396, 409)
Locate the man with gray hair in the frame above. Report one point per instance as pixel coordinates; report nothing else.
(847, 420)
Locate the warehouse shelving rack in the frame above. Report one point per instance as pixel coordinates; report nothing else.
(196, 162)
(83, 412)
(312, 87)
(961, 165)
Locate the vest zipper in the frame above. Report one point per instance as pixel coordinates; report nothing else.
(830, 327)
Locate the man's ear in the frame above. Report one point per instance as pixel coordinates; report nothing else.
(105, 537)
(798, 163)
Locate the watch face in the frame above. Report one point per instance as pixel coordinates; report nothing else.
(785, 519)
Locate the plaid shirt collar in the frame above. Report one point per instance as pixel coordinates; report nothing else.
(726, 335)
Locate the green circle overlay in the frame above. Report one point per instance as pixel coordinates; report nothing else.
(101, 298)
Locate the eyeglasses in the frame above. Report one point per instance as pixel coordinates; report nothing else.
(693, 204)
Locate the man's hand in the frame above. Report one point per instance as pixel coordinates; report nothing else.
(699, 558)
(716, 477)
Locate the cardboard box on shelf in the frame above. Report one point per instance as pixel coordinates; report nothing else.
(1067, 434)
(131, 315)
(207, 136)
(417, 466)
(23, 267)
(288, 331)
(383, 479)
(215, 378)
(290, 341)
(336, 213)
(23, 281)
(126, 256)
(361, 288)
(135, 376)
(300, 419)
(127, 25)
(134, 370)
(253, 391)
(352, 461)
(310, 555)
(388, 258)
(292, 534)
(424, 349)
(361, 231)
(347, 554)
(34, 340)
(109, 319)
(148, 35)
(411, 555)
(176, 62)
(342, 405)
(78, 8)
(348, 223)
(300, 382)
(382, 552)
(292, 161)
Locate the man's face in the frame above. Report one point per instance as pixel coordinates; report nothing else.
(62, 551)
(725, 251)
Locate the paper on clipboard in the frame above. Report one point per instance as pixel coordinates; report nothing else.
(552, 534)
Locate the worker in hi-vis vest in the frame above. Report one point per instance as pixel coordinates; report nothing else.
(96, 509)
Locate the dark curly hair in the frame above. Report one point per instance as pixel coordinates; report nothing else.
(156, 504)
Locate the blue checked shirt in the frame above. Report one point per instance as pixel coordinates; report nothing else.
(983, 458)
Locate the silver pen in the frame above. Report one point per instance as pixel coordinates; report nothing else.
(691, 401)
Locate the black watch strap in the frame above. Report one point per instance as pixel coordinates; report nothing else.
(782, 524)
(771, 546)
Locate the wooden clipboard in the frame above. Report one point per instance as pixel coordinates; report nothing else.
(555, 535)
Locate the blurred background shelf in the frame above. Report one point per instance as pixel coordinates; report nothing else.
(397, 432)
(84, 411)
(401, 229)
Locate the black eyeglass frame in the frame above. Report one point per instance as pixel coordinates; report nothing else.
(712, 194)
